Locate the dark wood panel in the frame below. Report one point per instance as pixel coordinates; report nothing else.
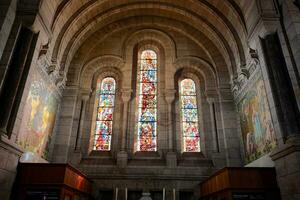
(249, 182)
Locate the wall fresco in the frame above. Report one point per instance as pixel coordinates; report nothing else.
(256, 122)
(38, 117)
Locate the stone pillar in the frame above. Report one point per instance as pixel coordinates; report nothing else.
(15, 78)
(122, 155)
(286, 156)
(66, 125)
(84, 99)
(287, 164)
(171, 155)
(216, 146)
(229, 128)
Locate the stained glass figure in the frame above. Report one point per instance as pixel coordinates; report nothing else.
(105, 107)
(189, 116)
(147, 102)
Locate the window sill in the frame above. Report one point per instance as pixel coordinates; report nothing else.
(192, 155)
(146, 155)
(104, 154)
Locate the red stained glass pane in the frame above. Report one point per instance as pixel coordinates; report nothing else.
(105, 114)
(102, 142)
(188, 87)
(148, 54)
(148, 88)
(147, 143)
(148, 65)
(190, 129)
(104, 127)
(191, 144)
(147, 101)
(147, 129)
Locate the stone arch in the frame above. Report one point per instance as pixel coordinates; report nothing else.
(166, 42)
(104, 63)
(202, 67)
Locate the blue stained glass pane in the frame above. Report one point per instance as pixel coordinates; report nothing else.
(188, 101)
(187, 87)
(190, 129)
(147, 101)
(189, 115)
(148, 64)
(108, 86)
(104, 127)
(102, 142)
(105, 114)
(147, 114)
(147, 129)
(107, 100)
(148, 88)
(191, 144)
(148, 76)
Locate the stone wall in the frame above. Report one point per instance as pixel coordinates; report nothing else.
(218, 44)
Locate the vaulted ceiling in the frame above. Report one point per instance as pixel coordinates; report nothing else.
(218, 26)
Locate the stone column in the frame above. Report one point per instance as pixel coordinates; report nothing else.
(215, 137)
(229, 128)
(84, 99)
(171, 155)
(286, 156)
(122, 155)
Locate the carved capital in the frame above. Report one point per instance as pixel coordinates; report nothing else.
(126, 94)
(85, 94)
(170, 95)
(225, 94)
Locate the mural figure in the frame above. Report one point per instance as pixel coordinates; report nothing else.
(256, 123)
(38, 117)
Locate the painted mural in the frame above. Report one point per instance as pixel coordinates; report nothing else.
(38, 117)
(256, 122)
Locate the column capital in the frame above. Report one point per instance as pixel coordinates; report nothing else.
(225, 94)
(211, 95)
(170, 95)
(211, 100)
(126, 94)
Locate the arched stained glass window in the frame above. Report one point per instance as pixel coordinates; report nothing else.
(189, 116)
(105, 108)
(147, 102)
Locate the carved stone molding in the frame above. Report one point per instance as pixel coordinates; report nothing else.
(239, 82)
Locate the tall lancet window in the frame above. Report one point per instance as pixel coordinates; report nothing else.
(189, 116)
(105, 107)
(147, 102)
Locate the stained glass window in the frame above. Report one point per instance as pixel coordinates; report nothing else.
(147, 102)
(105, 108)
(189, 116)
